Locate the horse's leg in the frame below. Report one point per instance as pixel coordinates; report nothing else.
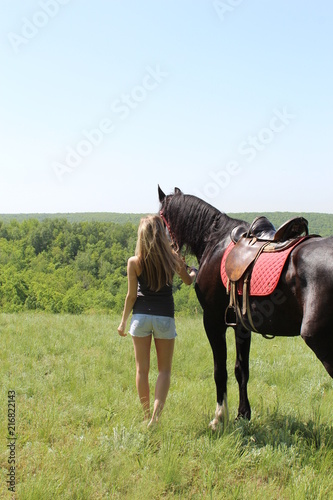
(243, 342)
(215, 330)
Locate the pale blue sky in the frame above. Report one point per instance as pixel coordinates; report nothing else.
(229, 100)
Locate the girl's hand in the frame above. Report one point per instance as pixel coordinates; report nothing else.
(189, 269)
(121, 330)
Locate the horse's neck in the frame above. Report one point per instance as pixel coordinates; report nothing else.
(208, 232)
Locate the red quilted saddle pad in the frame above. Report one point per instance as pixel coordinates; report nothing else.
(266, 271)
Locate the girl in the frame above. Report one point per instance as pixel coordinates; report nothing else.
(150, 274)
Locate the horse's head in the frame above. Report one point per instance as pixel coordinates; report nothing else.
(165, 199)
(192, 222)
(166, 213)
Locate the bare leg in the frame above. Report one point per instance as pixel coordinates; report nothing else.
(142, 361)
(164, 351)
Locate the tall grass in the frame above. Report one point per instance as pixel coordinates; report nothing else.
(79, 424)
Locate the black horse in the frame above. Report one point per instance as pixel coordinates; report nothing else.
(305, 305)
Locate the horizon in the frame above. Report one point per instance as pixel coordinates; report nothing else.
(144, 213)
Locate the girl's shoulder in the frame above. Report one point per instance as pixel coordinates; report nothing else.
(134, 263)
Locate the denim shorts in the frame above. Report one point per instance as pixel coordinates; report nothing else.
(162, 327)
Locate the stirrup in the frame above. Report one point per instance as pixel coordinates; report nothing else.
(227, 322)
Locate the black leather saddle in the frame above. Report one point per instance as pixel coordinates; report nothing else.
(263, 230)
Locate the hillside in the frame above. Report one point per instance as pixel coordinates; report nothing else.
(59, 266)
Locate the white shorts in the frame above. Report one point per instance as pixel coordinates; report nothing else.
(162, 327)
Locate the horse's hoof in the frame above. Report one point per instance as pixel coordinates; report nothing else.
(217, 425)
(214, 425)
(244, 416)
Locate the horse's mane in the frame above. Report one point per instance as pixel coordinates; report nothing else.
(197, 223)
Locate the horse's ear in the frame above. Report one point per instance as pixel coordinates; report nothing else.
(177, 191)
(161, 195)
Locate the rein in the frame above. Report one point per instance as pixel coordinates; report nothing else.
(172, 236)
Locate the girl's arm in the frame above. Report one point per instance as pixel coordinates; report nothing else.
(186, 273)
(132, 277)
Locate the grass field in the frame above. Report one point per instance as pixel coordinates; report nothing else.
(79, 426)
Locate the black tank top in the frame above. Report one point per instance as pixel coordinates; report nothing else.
(155, 303)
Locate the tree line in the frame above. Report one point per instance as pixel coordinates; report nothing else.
(59, 266)
(319, 223)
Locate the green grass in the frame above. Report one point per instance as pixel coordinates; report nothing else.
(79, 424)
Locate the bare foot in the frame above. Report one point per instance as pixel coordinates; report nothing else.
(153, 422)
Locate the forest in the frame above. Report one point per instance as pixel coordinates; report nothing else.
(76, 263)
(59, 266)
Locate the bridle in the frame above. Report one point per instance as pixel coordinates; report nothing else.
(171, 234)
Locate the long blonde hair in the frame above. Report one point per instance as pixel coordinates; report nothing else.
(157, 259)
